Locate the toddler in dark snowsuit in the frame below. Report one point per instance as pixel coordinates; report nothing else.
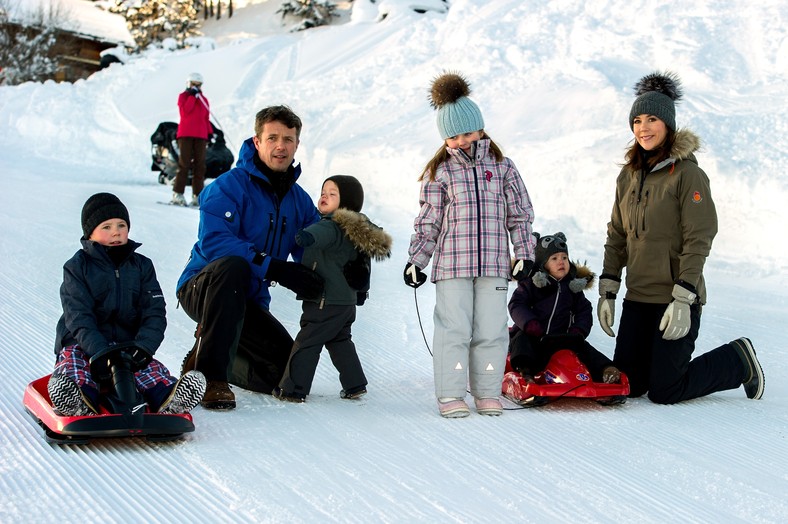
(552, 302)
(343, 235)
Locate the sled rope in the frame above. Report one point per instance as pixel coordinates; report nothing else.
(421, 326)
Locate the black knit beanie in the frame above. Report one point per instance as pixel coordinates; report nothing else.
(101, 207)
(351, 194)
(547, 247)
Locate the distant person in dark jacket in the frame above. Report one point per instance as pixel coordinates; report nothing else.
(343, 235)
(194, 130)
(552, 302)
(112, 300)
(249, 218)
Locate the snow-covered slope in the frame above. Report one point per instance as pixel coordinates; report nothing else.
(554, 82)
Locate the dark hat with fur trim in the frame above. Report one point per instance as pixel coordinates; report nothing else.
(548, 246)
(457, 114)
(100, 208)
(657, 95)
(351, 194)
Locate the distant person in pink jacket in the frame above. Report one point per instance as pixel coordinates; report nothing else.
(473, 203)
(194, 129)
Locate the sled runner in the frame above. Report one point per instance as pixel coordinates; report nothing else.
(164, 153)
(122, 413)
(564, 376)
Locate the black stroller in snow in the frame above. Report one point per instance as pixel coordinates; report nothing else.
(164, 152)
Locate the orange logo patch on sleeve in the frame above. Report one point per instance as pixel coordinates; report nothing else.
(696, 198)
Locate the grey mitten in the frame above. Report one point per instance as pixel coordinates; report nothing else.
(606, 307)
(676, 321)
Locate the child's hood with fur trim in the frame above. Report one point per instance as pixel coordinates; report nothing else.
(366, 236)
(581, 277)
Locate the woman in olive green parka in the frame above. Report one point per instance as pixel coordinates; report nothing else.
(661, 230)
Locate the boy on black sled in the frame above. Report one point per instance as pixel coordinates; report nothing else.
(113, 320)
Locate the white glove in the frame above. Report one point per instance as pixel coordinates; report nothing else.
(606, 307)
(676, 321)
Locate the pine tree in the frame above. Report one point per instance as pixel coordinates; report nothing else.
(152, 21)
(313, 12)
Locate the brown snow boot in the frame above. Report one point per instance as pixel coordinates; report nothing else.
(218, 395)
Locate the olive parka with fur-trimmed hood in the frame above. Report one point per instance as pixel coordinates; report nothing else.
(662, 225)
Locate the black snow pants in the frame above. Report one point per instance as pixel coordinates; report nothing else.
(665, 368)
(329, 327)
(237, 340)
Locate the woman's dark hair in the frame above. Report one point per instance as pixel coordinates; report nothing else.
(637, 159)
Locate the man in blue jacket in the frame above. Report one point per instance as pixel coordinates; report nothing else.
(248, 220)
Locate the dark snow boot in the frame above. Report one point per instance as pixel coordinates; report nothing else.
(189, 361)
(754, 380)
(218, 395)
(353, 393)
(287, 396)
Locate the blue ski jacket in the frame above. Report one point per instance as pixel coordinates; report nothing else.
(241, 215)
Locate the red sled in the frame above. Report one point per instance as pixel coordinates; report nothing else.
(564, 376)
(127, 418)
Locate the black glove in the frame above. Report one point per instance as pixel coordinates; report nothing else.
(361, 297)
(101, 363)
(295, 277)
(139, 358)
(194, 91)
(357, 272)
(413, 276)
(522, 269)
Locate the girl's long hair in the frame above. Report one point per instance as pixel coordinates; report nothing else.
(441, 156)
(637, 159)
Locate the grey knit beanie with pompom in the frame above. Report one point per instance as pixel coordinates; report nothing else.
(657, 94)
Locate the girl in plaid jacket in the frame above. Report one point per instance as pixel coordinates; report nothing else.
(473, 202)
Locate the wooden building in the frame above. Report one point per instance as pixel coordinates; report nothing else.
(83, 31)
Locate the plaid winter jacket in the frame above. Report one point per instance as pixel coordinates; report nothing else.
(469, 213)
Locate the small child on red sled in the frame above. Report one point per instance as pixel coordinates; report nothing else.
(111, 300)
(551, 302)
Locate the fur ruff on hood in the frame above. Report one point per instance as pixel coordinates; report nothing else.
(685, 143)
(581, 277)
(366, 236)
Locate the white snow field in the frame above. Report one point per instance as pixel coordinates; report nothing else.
(553, 79)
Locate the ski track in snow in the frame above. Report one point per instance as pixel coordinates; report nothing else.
(352, 461)
(389, 457)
